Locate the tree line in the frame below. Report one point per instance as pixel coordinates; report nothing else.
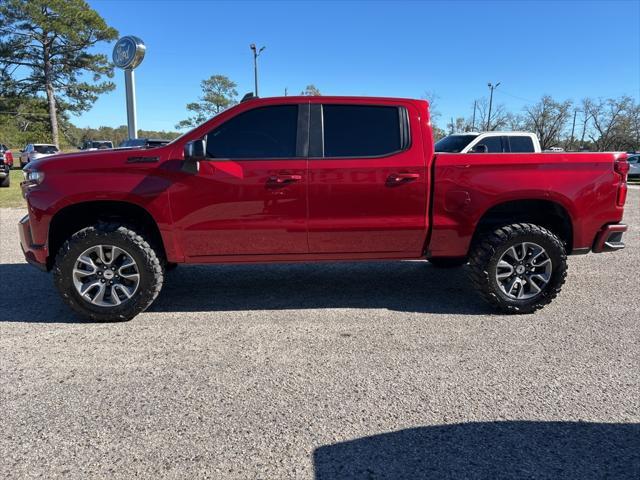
(602, 124)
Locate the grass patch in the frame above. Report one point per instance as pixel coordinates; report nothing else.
(12, 196)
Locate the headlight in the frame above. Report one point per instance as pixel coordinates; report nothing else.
(33, 177)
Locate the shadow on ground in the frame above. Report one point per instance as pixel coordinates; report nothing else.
(399, 286)
(491, 450)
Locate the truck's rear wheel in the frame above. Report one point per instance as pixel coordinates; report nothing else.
(518, 268)
(108, 272)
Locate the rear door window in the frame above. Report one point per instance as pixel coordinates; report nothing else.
(361, 130)
(521, 144)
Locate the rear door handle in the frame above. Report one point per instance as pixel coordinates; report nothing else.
(402, 177)
(284, 178)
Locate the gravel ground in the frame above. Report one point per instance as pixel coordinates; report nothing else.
(368, 370)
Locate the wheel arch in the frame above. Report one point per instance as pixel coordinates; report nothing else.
(77, 216)
(549, 214)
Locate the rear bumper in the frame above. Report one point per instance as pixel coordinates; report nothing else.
(36, 255)
(609, 238)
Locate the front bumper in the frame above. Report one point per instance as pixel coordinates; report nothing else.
(609, 238)
(36, 255)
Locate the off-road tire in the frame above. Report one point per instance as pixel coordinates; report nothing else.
(447, 262)
(487, 251)
(6, 181)
(149, 265)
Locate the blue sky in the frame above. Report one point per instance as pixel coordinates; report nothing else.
(569, 50)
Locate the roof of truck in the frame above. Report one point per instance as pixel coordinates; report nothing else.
(494, 132)
(332, 98)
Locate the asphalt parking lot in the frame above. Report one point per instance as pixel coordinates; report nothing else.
(367, 370)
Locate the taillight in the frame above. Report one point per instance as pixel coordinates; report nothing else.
(621, 167)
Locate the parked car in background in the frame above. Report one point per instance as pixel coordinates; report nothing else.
(634, 165)
(34, 151)
(5, 166)
(489, 142)
(96, 145)
(5, 155)
(144, 142)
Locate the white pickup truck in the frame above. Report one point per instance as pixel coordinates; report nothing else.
(489, 142)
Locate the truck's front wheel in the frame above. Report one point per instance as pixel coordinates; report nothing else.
(108, 272)
(518, 268)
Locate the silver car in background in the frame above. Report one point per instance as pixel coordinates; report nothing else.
(33, 151)
(634, 165)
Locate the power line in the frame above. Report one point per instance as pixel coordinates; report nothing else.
(517, 97)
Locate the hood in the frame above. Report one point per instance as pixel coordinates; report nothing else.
(93, 158)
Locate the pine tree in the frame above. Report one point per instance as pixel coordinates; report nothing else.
(44, 49)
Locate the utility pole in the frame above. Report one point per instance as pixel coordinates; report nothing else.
(452, 126)
(256, 54)
(473, 121)
(584, 129)
(573, 127)
(492, 87)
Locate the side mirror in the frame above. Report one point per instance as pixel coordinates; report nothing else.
(480, 148)
(195, 151)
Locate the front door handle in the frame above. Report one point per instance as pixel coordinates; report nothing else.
(284, 178)
(402, 177)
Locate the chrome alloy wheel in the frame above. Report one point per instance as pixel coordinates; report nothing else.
(106, 275)
(523, 271)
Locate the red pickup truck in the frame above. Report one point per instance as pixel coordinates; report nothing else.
(301, 179)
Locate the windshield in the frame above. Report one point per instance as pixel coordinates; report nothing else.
(454, 143)
(101, 145)
(47, 149)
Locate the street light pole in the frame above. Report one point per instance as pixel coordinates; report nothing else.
(473, 121)
(256, 54)
(492, 88)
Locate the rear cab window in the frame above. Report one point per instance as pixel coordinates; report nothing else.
(46, 149)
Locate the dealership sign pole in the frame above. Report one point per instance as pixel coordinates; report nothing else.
(128, 54)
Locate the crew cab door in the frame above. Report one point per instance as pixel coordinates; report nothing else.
(367, 179)
(250, 196)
